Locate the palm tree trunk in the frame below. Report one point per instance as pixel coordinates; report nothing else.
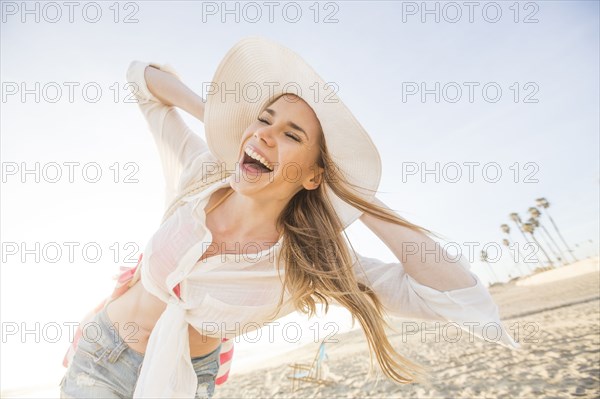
(523, 273)
(551, 249)
(560, 255)
(543, 250)
(528, 241)
(519, 256)
(518, 262)
(560, 235)
(521, 230)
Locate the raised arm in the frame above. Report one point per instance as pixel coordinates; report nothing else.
(421, 256)
(426, 288)
(158, 90)
(170, 90)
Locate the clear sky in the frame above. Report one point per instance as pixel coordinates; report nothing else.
(540, 130)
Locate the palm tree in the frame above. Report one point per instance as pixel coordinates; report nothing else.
(536, 225)
(506, 243)
(535, 219)
(528, 227)
(506, 229)
(543, 202)
(484, 258)
(515, 218)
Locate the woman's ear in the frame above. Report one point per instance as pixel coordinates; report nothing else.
(317, 178)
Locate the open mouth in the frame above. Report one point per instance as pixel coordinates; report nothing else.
(254, 165)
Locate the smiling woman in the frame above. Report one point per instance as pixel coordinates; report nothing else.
(278, 145)
(314, 171)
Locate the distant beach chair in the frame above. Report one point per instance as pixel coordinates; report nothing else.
(316, 372)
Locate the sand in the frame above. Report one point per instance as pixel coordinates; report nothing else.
(559, 325)
(558, 315)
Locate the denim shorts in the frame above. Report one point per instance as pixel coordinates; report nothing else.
(104, 366)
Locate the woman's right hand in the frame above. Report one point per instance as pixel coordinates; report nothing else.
(170, 90)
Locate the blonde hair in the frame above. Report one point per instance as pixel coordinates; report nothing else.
(318, 266)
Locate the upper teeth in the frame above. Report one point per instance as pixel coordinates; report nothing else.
(258, 158)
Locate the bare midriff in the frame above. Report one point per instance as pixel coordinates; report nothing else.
(135, 313)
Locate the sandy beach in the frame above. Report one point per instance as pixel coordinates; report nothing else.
(557, 316)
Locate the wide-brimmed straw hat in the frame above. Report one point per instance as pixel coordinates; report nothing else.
(257, 70)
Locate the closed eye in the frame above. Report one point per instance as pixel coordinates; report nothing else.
(293, 137)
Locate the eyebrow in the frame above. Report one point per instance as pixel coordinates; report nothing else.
(290, 123)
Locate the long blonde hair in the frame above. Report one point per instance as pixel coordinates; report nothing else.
(318, 265)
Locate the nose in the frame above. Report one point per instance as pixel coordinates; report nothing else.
(264, 134)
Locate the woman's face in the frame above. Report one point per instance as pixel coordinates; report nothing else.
(287, 135)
